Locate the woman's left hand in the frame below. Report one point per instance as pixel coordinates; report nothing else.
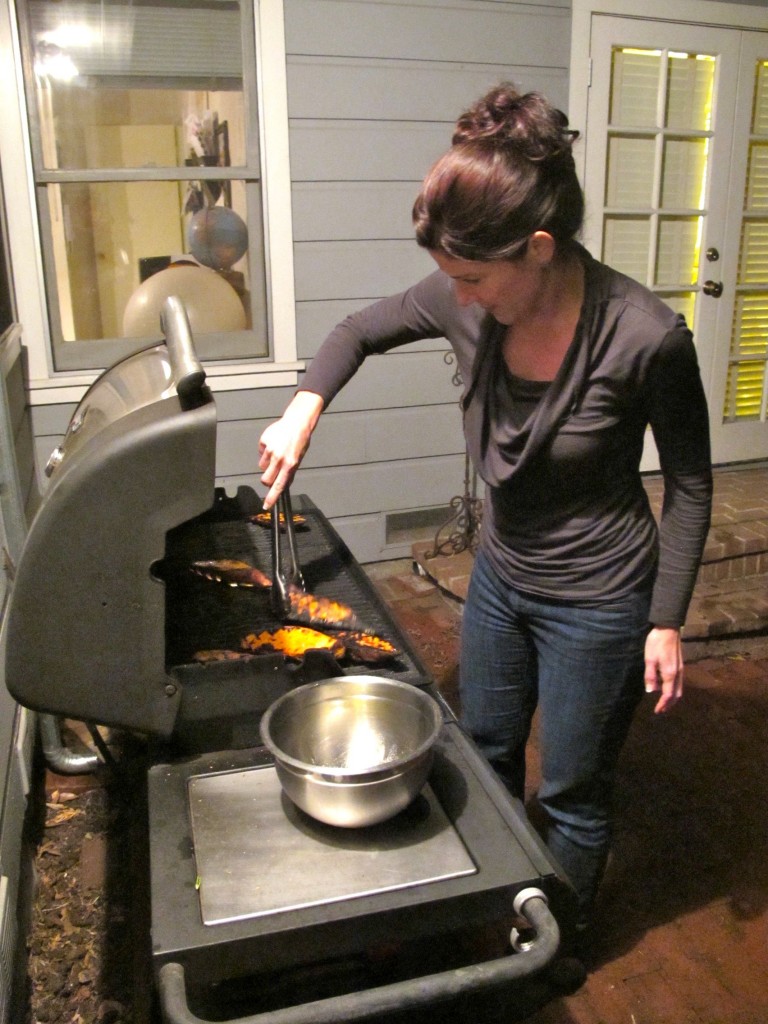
(664, 667)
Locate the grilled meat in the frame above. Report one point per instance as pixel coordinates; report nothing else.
(366, 648)
(221, 654)
(312, 610)
(232, 572)
(265, 519)
(293, 641)
(303, 608)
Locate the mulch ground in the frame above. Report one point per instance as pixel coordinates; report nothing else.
(81, 939)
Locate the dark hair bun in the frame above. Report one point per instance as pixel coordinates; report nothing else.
(527, 123)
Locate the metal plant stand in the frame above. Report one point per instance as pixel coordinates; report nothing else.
(461, 531)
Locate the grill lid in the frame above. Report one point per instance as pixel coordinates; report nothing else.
(84, 632)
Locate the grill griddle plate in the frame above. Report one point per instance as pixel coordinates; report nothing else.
(239, 876)
(257, 854)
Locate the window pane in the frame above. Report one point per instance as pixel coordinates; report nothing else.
(677, 258)
(89, 128)
(125, 85)
(684, 172)
(626, 243)
(121, 247)
(635, 78)
(689, 91)
(629, 178)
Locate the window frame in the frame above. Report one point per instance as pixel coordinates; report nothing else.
(26, 240)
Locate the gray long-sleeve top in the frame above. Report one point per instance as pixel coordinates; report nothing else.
(566, 515)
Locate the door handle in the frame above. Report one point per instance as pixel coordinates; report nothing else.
(713, 288)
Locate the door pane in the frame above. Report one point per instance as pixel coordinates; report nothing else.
(634, 87)
(753, 258)
(684, 173)
(629, 177)
(744, 391)
(681, 302)
(625, 245)
(760, 118)
(677, 256)
(757, 176)
(689, 91)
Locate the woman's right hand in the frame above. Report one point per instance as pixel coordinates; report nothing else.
(283, 444)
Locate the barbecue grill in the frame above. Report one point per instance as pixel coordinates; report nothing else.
(106, 624)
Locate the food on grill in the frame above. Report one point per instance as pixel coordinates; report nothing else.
(232, 572)
(222, 654)
(314, 610)
(265, 519)
(301, 607)
(367, 648)
(293, 641)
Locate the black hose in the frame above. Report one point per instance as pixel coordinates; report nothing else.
(402, 995)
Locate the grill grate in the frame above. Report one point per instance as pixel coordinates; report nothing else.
(202, 614)
(222, 701)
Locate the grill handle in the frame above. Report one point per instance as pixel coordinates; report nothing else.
(188, 373)
(413, 993)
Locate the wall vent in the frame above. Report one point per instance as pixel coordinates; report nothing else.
(418, 524)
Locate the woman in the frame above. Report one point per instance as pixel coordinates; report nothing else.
(575, 597)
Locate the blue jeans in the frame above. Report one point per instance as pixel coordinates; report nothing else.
(583, 667)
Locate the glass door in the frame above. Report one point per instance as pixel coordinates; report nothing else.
(677, 193)
(740, 387)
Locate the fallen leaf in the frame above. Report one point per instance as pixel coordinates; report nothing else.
(66, 922)
(67, 814)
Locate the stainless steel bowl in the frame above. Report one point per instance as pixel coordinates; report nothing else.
(353, 750)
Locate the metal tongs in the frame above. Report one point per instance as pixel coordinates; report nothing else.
(283, 578)
(289, 597)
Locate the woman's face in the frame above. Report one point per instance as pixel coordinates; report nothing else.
(503, 288)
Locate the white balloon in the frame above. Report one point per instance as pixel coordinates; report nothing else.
(212, 304)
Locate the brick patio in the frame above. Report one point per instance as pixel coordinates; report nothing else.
(731, 595)
(682, 921)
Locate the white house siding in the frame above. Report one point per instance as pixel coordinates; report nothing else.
(373, 91)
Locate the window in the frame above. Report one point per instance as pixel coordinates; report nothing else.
(148, 138)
